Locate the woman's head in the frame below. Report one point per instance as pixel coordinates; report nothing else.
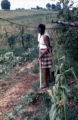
(41, 28)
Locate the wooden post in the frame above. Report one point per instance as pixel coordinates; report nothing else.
(40, 76)
(73, 24)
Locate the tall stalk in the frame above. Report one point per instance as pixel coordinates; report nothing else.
(60, 90)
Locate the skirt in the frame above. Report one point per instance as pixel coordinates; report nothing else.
(46, 60)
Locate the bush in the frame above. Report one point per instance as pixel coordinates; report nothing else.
(1, 60)
(36, 68)
(11, 40)
(1, 69)
(5, 4)
(68, 36)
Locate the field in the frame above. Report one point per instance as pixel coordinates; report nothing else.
(19, 67)
(19, 81)
(28, 17)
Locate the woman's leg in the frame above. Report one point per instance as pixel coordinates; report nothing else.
(48, 75)
(45, 76)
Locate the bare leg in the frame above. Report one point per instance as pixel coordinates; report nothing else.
(45, 76)
(48, 74)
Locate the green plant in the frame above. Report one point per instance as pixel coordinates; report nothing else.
(60, 90)
(11, 40)
(59, 96)
(74, 94)
(68, 36)
(2, 69)
(47, 100)
(1, 59)
(8, 117)
(36, 68)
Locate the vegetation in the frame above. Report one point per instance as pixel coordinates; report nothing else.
(5, 4)
(19, 47)
(68, 36)
(53, 6)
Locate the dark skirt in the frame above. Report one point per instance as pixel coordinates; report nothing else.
(46, 60)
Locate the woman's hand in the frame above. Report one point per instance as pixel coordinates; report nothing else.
(40, 57)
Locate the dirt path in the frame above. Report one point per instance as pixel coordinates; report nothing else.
(15, 86)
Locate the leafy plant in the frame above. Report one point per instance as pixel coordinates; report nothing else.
(68, 36)
(11, 40)
(36, 68)
(60, 90)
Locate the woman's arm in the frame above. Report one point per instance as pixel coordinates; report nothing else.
(47, 42)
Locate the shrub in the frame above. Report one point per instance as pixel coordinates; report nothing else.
(5, 4)
(11, 40)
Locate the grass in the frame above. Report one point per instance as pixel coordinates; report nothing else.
(29, 100)
(30, 18)
(27, 16)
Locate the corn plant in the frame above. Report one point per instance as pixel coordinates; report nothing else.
(60, 90)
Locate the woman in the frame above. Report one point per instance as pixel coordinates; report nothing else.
(45, 55)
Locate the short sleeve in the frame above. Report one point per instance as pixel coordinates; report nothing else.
(47, 34)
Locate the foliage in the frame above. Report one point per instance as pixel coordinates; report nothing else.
(68, 36)
(28, 40)
(53, 6)
(66, 4)
(48, 6)
(2, 69)
(72, 113)
(5, 4)
(59, 95)
(36, 68)
(11, 40)
(1, 59)
(74, 95)
(18, 109)
(60, 90)
(38, 7)
(47, 100)
(8, 61)
(30, 97)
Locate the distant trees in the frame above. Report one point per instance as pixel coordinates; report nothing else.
(53, 6)
(48, 6)
(5, 4)
(18, 9)
(38, 7)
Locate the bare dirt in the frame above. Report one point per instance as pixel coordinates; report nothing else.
(16, 85)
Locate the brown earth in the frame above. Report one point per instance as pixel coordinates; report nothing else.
(16, 85)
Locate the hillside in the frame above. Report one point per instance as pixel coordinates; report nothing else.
(28, 17)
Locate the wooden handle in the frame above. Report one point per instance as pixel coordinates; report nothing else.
(40, 76)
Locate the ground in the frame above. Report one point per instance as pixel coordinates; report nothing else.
(18, 85)
(15, 86)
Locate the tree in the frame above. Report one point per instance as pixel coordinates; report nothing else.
(5, 4)
(58, 6)
(68, 35)
(38, 7)
(66, 4)
(48, 6)
(53, 6)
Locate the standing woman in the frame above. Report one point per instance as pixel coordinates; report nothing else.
(45, 53)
